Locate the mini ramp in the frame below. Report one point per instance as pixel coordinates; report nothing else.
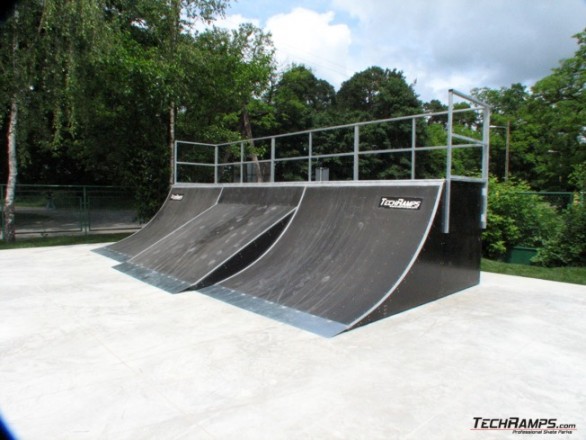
(181, 205)
(353, 254)
(217, 242)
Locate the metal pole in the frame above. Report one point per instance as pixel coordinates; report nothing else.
(485, 164)
(2, 211)
(507, 150)
(356, 151)
(413, 142)
(448, 190)
(216, 160)
(174, 176)
(273, 160)
(241, 162)
(310, 153)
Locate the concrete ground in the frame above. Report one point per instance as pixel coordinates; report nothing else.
(87, 352)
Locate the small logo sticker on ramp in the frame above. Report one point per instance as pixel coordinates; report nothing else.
(400, 203)
(177, 197)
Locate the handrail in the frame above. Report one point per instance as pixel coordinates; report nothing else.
(355, 151)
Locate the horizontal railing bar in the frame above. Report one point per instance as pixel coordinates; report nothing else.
(359, 124)
(466, 138)
(197, 164)
(470, 98)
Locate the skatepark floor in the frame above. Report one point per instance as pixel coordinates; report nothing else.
(87, 352)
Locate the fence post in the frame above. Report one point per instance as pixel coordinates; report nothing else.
(2, 230)
(85, 213)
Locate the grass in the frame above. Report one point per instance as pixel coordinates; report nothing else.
(62, 240)
(574, 275)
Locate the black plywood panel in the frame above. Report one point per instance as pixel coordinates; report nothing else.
(343, 252)
(181, 205)
(244, 220)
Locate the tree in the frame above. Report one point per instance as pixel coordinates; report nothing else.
(377, 93)
(299, 99)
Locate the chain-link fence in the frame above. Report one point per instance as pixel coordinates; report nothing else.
(51, 209)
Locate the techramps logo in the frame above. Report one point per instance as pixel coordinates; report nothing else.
(522, 426)
(409, 203)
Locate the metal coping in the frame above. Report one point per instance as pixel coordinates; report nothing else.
(316, 184)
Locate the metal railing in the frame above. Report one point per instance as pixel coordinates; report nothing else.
(245, 160)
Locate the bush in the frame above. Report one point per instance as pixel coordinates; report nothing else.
(567, 246)
(516, 218)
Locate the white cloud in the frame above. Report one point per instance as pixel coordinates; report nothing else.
(440, 43)
(311, 38)
(485, 43)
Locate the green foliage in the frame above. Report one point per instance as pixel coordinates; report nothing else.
(516, 218)
(567, 245)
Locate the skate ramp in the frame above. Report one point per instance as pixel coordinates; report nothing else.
(182, 204)
(218, 242)
(349, 254)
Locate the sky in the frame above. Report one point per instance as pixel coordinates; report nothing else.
(437, 44)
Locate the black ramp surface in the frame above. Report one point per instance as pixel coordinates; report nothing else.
(182, 204)
(339, 258)
(218, 242)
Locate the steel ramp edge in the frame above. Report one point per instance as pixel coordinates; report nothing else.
(287, 315)
(112, 254)
(164, 282)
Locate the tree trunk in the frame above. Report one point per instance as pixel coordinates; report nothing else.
(248, 135)
(9, 226)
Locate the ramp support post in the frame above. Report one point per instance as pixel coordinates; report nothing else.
(485, 160)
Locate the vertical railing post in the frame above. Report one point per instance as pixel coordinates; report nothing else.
(216, 162)
(448, 188)
(413, 143)
(174, 178)
(273, 143)
(485, 163)
(241, 162)
(310, 153)
(356, 152)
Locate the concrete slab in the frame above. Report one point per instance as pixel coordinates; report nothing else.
(87, 352)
